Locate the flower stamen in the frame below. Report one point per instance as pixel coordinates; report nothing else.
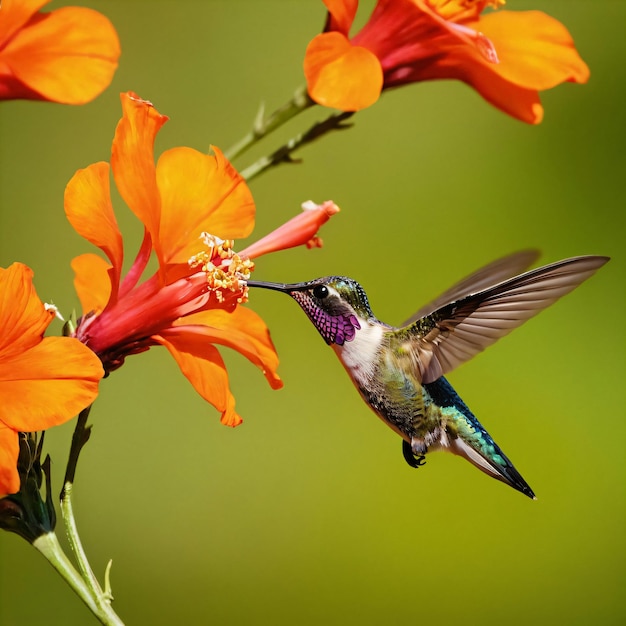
(225, 270)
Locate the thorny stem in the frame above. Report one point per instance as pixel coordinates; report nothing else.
(262, 125)
(283, 154)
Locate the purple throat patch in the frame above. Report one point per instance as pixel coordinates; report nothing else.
(335, 329)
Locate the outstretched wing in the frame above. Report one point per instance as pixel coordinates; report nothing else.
(458, 331)
(491, 274)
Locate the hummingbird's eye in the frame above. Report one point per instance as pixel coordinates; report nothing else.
(320, 291)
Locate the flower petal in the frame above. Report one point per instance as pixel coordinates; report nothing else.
(68, 55)
(92, 282)
(298, 231)
(200, 193)
(242, 330)
(132, 159)
(341, 75)
(523, 104)
(88, 208)
(23, 318)
(535, 50)
(48, 384)
(9, 452)
(15, 13)
(203, 366)
(341, 14)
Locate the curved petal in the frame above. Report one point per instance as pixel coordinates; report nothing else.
(341, 14)
(298, 231)
(48, 384)
(535, 50)
(242, 330)
(523, 104)
(203, 366)
(132, 159)
(9, 451)
(89, 210)
(68, 55)
(200, 193)
(15, 13)
(23, 318)
(466, 63)
(92, 282)
(341, 75)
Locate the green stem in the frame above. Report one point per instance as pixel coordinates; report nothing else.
(71, 530)
(283, 154)
(48, 545)
(100, 603)
(262, 125)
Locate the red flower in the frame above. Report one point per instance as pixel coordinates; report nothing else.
(508, 57)
(43, 382)
(68, 55)
(192, 206)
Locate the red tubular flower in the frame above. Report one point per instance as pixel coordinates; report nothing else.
(43, 382)
(192, 206)
(68, 55)
(508, 57)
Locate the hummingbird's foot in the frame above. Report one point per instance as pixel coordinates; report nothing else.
(414, 460)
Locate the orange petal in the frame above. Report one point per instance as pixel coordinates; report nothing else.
(468, 66)
(15, 13)
(523, 104)
(342, 14)
(23, 318)
(203, 366)
(88, 208)
(48, 384)
(298, 231)
(68, 55)
(466, 63)
(132, 159)
(341, 75)
(9, 451)
(242, 330)
(92, 282)
(200, 193)
(535, 50)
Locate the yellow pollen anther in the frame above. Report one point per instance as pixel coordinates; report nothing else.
(225, 270)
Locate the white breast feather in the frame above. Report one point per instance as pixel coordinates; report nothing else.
(360, 355)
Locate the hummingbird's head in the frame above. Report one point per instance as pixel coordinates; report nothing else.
(336, 305)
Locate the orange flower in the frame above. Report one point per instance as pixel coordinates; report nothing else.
(43, 382)
(67, 56)
(508, 57)
(192, 206)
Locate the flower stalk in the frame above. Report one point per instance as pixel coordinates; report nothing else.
(89, 590)
(262, 126)
(335, 121)
(99, 604)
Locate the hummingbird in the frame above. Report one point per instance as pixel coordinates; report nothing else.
(399, 371)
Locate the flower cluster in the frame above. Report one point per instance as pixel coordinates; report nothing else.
(43, 381)
(68, 55)
(507, 57)
(192, 206)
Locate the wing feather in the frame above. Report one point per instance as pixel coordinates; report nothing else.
(486, 276)
(457, 331)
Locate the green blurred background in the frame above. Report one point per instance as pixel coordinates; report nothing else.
(307, 514)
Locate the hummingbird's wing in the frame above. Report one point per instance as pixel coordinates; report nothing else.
(458, 331)
(491, 274)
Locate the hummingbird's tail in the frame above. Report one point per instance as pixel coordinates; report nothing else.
(468, 438)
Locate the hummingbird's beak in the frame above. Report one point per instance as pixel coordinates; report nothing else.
(284, 287)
